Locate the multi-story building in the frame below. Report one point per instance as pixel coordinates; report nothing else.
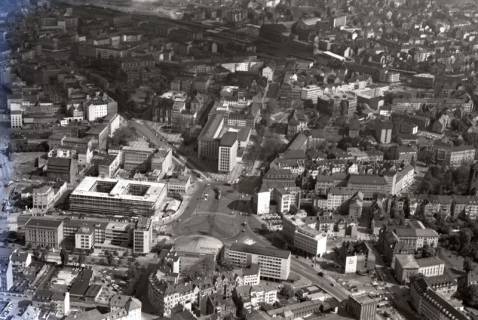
(362, 306)
(369, 185)
(62, 165)
(163, 161)
(303, 235)
(117, 197)
(273, 263)
(180, 185)
(143, 236)
(429, 304)
(44, 233)
(43, 198)
(137, 158)
(227, 155)
(16, 119)
(455, 156)
(405, 240)
(311, 92)
(467, 205)
(96, 110)
(251, 297)
(167, 295)
(286, 198)
(384, 132)
(6, 275)
(85, 238)
(263, 200)
(118, 233)
(108, 164)
(208, 140)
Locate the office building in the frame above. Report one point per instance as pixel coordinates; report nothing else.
(85, 238)
(143, 236)
(44, 233)
(16, 119)
(273, 263)
(117, 197)
(137, 158)
(227, 154)
(301, 232)
(362, 307)
(208, 140)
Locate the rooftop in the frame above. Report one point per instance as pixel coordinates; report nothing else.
(119, 189)
(43, 223)
(228, 139)
(265, 251)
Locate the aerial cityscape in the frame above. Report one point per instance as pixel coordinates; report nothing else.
(239, 159)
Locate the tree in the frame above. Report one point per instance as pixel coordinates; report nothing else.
(428, 251)
(287, 291)
(465, 239)
(470, 296)
(467, 264)
(81, 259)
(64, 257)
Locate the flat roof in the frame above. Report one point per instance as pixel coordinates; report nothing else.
(43, 223)
(367, 179)
(210, 130)
(228, 139)
(119, 190)
(265, 251)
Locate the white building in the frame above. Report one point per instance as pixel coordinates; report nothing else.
(85, 238)
(96, 110)
(16, 119)
(253, 296)
(263, 200)
(273, 263)
(311, 92)
(143, 236)
(301, 232)
(227, 156)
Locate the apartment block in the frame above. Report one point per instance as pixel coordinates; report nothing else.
(273, 263)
